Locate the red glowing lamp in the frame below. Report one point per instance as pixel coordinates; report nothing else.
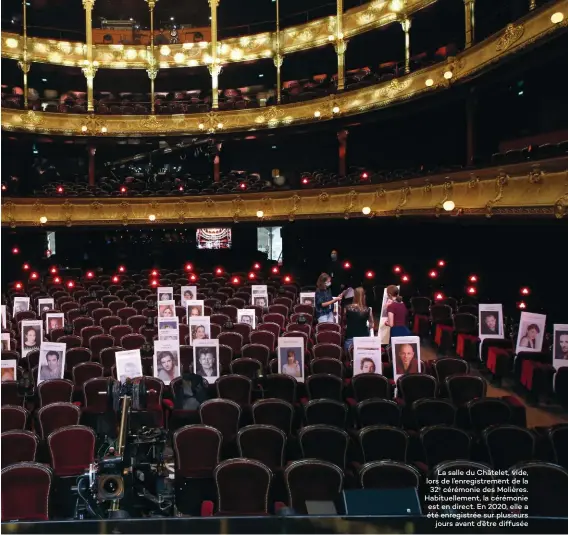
(287, 279)
(370, 274)
(236, 280)
(305, 181)
(522, 305)
(525, 290)
(53, 270)
(365, 175)
(18, 286)
(433, 274)
(15, 250)
(115, 279)
(188, 267)
(34, 276)
(57, 280)
(346, 265)
(193, 277)
(181, 188)
(70, 284)
(439, 296)
(60, 189)
(275, 270)
(397, 269)
(441, 263)
(219, 271)
(154, 283)
(26, 266)
(405, 278)
(154, 273)
(471, 290)
(121, 269)
(243, 185)
(256, 266)
(251, 276)
(473, 278)
(90, 275)
(4, 187)
(123, 189)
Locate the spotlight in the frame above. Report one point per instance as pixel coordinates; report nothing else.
(522, 305)
(471, 290)
(429, 82)
(370, 274)
(219, 271)
(26, 266)
(193, 277)
(34, 276)
(275, 270)
(441, 263)
(557, 18)
(346, 265)
(152, 217)
(116, 279)
(251, 276)
(60, 189)
(236, 280)
(256, 266)
(287, 279)
(57, 280)
(448, 206)
(43, 220)
(18, 285)
(405, 278)
(472, 278)
(439, 296)
(525, 290)
(366, 210)
(260, 214)
(90, 275)
(305, 181)
(53, 270)
(448, 75)
(433, 274)
(123, 189)
(397, 269)
(188, 267)
(70, 284)
(15, 250)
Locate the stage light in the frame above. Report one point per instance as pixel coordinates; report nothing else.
(364, 175)
(287, 279)
(15, 250)
(397, 269)
(448, 75)
(260, 214)
(57, 280)
(441, 263)
(219, 271)
(236, 280)
(154, 283)
(429, 82)
(346, 265)
(90, 275)
(116, 279)
(152, 217)
(251, 276)
(60, 189)
(557, 18)
(471, 290)
(26, 266)
(472, 278)
(433, 274)
(34, 276)
(275, 270)
(18, 285)
(154, 273)
(53, 270)
(370, 275)
(522, 305)
(256, 266)
(123, 189)
(188, 267)
(405, 278)
(70, 284)
(366, 210)
(448, 206)
(242, 185)
(43, 220)
(193, 277)
(305, 181)
(525, 290)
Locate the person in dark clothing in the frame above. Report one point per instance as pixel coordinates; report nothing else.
(358, 318)
(325, 299)
(335, 271)
(397, 313)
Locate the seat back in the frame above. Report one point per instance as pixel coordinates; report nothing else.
(222, 414)
(375, 411)
(380, 442)
(13, 418)
(197, 450)
(444, 443)
(57, 415)
(324, 442)
(264, 443)
(72, 449)
(388, 475)
(18, 446)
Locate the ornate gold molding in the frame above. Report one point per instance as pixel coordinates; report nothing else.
(536, 26)
(505, 191)
(312, 34)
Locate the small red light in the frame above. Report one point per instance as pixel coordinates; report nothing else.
(34, 276)
(365, 175)
(305, 181)
(4, 188)
(252, 276)
(70, 284)
(405, 278)
(242, 185)
(53, 270)
(15, 250)
(471, 290)
(123, 189)
(154, 273)
(121, 269)
(154, 283)
(287, 278)
(275, 270)
(256, 266)
(236, 280)
(397, 269)
(219, 271)
(370, 275)
(26, 266)
(115, 279)
(433, 274)
(441, 263)
(181, 188)
(60, 189)
(439, 296)
(193, 277)
(90, 275)
(525, 290)
(346, 265)
(473, 278)
(57, 280)
(522, 305)
(18, 286)
(188, 267)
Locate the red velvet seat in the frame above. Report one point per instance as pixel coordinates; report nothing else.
(14, 417)
(70, 340)
(558, 436)
(324, 442)
(428, 412)
(72, 449)
(10, 393)
(18, 446)
(57, 415)
(55, 390)
(444, 367)
(462, 388)
(328, 337)
(281, 386)
(219, 319)
(442, 443)
(232, 339)
(99, 313)
(264, 443)
(308, 316)
(108, 358)
(25, 492)
(99, 342)
(222, 414)
(368, 386)
(487, 412)
(244, 329)
(381, 442)
(324, 385)
(237, 388)
(250, 368)
(508, 445)
(95, 395)
(197, 449)
(136, 321)
(416, 386)
(326, 350)
(388, 475)
(265, 338)
(132, 341)
(327, 365)
(376, 411)
(326, 411)
(80, 323)
(107, 323)
(274, 412)
(125, 313)
(77, 355)
(258, 352)
(275, 317)
(88, 332)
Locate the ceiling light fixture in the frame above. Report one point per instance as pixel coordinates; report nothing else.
(429, 82)
(448, 206)
(557, 18)
(366, 210)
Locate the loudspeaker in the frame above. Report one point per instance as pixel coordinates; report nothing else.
(381, 502)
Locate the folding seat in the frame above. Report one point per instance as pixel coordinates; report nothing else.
(378, 412)
(369, 385)
(230, 311)
(197, 450)
(139, 305)
(508, 445)
(72, 450)
(328, 337)
(465, 326)
(115, 306)
(324, 385)
(444, 443)
(231, 500)
(420, 309)
(95, 395)
(81, 322)
(416, 386)
(257, 352)
(25, 492)
(84, 371)
(14, 418)
(308, 317)
(281, 386)
(132, 341)
(388, 475)
(487, 412)
(108, 358)
(76, 355)
(283, 310)
(10, 394)
(99, 342)
(283, 301)
(70, 341)
(324, 442)
(271, 327)
(304, 309)
(263, 443)
(92, 306)
(244, 329)
(264, 337)
(547, 488)
(379, 442)
(136, 321)
(222, 414)
(250, 368)
(327, 365)
(219, 319)
(428, 412)
(118, 331)
(237, 302)
(237, 388)
(55, 390)
(325, 411)
(558, 437)
(274, 412)
(18, 446)
(444, 367)
(312, 480)
(326, 326)
(57, 415)
(108, 322)
(233, 340)
(333, 351)
(462, 388)
(300, 327)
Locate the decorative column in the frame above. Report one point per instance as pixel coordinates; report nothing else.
(152, 69)
(24, 63)
(405, 23)
(340, 46)
(532, 5)
(469, 22)
(92, 151)
(278, 58)
(342, 138)
(90, 68)
(214, 68)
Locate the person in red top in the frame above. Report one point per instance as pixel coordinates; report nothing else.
(397, 313)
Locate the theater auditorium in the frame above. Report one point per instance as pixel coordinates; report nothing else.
(284, 266)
